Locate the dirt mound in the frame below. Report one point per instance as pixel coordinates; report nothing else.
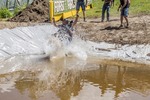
(38, 11)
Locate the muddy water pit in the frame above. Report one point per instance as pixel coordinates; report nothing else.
(73, 79)
(66, 78)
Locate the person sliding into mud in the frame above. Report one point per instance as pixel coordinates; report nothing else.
(124, 8)
(80, 3)
(106, 7)
(66, 28)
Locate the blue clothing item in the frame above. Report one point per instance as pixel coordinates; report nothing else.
(106, 7)
(80, 4)
(125, 12)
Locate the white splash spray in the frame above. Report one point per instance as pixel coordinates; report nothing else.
(37, 41)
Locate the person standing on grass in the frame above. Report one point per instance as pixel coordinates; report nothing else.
(106, 7)
(124, 8)
(83, 5)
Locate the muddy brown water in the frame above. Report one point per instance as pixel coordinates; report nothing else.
(72, 79)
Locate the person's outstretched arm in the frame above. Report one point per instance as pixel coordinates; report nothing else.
(54, 22)
(76, 20)
(119, 7)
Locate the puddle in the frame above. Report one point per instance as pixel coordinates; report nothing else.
(73, 79)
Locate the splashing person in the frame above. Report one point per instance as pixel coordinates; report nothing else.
(65, 29)
(63, 37)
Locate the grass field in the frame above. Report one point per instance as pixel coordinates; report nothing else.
(137, 7)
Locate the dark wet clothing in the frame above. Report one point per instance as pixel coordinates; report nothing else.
(66, 29)
(64, 32)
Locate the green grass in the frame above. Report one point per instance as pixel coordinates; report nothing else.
(137, 7)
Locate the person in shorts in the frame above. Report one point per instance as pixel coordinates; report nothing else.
(124, 8)
(83, 5)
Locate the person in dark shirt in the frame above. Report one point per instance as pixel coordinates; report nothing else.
(106, 7)
(124, 8)
(66, 28)
(80, 3)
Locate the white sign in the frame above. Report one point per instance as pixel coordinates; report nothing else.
(59, 6)
(65, 5)
(70, 4)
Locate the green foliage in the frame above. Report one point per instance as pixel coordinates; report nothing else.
(140, 6)
(5, 13)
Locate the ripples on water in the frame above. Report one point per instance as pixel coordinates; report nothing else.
(65, 79)
(75, 71)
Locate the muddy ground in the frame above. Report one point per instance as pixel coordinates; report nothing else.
(137, 33)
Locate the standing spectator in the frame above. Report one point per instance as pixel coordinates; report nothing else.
(124, 8)
(106, 6)
(80, 3)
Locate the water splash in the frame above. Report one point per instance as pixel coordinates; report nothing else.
(25, 53)
(21, 47)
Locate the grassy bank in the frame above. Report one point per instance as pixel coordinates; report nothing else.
(137, 7)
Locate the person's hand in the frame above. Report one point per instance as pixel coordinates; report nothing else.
(53, 19)
(121, 9)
